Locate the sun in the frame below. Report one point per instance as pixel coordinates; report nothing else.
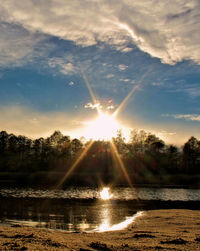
(104, 127)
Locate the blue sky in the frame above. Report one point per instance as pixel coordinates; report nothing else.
(47, 46)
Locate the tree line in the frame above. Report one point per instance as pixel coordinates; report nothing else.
(147, 159)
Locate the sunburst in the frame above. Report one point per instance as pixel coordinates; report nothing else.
(104, 127)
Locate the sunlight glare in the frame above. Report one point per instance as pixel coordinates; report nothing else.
(104, 227)
(105, 195)
(104, 127)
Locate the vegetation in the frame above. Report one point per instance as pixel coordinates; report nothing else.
(147, 159)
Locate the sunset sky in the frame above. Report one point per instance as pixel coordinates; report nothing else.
(49, 49)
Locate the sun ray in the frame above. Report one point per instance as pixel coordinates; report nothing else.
(122, 166)
(75, 164)
(126, 99)
(89, 88)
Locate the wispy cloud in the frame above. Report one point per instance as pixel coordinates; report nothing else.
(192, 91)
(110, 76)
(63, 65)
(171, 34)
(19, 46)
(106, 106)
(92, 106)
(193, 117)
(122, 67)
(157, 83)
(125, 79)
(110, 107)
(71, 83)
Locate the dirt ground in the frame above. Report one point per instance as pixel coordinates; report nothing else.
(154, 230)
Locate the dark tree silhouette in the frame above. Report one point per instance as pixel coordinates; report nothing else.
(146, 157)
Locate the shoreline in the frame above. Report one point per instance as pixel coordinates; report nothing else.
(177, 229)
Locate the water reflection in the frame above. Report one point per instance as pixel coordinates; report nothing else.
(122, 225)
(83, 210)
(117, 193)
(105, 194)
(105, 216)
(70, 215)
(106, 222)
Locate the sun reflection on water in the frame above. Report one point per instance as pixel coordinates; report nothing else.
(105, 194)
(106, 225)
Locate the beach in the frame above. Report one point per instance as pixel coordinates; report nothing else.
(154, 230)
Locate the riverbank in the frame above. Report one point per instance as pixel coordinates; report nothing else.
(154, 230)
(50, 180)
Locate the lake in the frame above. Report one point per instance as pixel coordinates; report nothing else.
(83, 209)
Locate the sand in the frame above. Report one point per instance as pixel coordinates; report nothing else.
(155, 230)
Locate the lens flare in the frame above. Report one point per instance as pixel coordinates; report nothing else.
(122, 166)
(74, 165)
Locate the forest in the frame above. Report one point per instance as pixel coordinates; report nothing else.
(145, 158)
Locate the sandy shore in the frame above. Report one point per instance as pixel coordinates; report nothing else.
(155, 230)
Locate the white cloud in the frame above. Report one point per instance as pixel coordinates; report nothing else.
(63, 65)
(168, 30)
(110, 107)
(93, 106)
(106, 106)
(18, 46)
(110, 76)
(127, 49)
(125, 79)
(193, 117)
(71, 83)
(122, 67)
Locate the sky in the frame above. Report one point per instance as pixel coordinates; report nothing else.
(53, 51)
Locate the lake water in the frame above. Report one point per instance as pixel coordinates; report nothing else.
(82, 209)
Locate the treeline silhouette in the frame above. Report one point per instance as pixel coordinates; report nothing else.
(146, 159)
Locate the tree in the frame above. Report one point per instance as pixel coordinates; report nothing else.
(55, 138)
(3, 141)
(154, 144)
(172, 155)
(76, 146)
(119, 141)
(137, 141)
(191, 155)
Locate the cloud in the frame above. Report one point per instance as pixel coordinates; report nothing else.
(19, 46)
(122, 67)
(93, 106)
(63, 65)
(168, 30)
(110, 76)
(104, 106)
(71, 83)
(192, 117)
(125, 79)
(127, 49)
(110, 107)
(193, 90)
(32, 123)
(157, 84)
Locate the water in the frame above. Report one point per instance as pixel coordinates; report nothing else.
(82, 209)
(164, 194)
